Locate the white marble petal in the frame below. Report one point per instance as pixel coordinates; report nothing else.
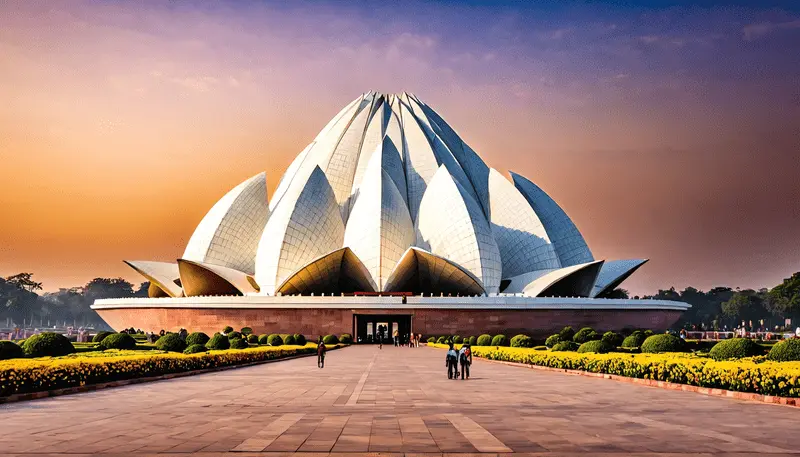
(613, 273)
(452, 225)
(229, 233)
(306, 224)
(568, 241)
(162, 274)
(521, 237)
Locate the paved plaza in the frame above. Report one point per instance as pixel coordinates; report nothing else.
(395, 401)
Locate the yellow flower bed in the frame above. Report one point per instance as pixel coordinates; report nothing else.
(47, 373)
(745, 375)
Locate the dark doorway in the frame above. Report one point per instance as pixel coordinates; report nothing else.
(367, 328)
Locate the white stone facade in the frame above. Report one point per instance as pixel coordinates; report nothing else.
(389, 193)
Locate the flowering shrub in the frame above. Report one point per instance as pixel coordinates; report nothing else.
(33, 375)
(744, 375)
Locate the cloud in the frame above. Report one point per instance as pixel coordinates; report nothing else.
(758, 30)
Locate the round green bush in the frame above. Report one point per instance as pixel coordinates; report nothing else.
(233, 335)
(275, 340)
(47, 344)
(566, 334)
(457, 339)
(100, 336)
(299, 339)
(735, 348)
(473, 340)
(118, 341)
(247, 331)
(499, 340)
(10, 350)
(552, 340)
(647, 333)
(194, 349)
(662, 343)
(596, 346)
(634, 340)
(289, 340)
(197, 338)
(238, 343)
(331, 339)
(227, 329)
(263, 339)
(171, 342)
(785, 351)
(585, 334)
(431, 340)
(565, 346)
(612, 338)
(484, 340)
(218, 342)
(442, 340)
(521, 341)
(346, 338)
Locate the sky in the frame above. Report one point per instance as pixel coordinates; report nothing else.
(666, 130)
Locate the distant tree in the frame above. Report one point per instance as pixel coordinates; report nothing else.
(99, 288)
(24, 281)
(747, 305)
(784, 299)
(618, 293)
(142, 290)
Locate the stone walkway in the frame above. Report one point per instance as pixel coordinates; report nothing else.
(395, 401)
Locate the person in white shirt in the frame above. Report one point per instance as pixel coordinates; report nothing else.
(465, 359)
(451, 361)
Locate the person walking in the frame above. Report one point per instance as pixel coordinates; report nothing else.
(396, 338)
(465, 359)
(321, 354)
(451, 361)
(419, 338)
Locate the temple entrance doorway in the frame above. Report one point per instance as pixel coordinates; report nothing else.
(369, 328)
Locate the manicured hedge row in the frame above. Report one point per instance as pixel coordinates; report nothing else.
(745, 375)
(33, 375)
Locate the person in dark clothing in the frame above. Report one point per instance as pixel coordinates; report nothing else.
(451, 361)
(321, 354)
(465, 360)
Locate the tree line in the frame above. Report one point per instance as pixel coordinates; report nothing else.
(22, 303)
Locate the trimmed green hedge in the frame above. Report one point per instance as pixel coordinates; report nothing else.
(484, 340)
(785, 351)
(289, 340)
(735, 348)
(47, 344)
(457, 339)
(247, 331)
(101, 336)
(263, 339)
(275, 340)
(299, 339)
(432, 340)
(238, 343)
(521, 341)
(552, 340)
(252, 339)
(218, 342)
(197, 338)
(10, 350)
(634, 340)
(346, 338)
(566, 334)
(596, 346)
(585, 334)
(330, 339)
(499, 340)
(171, 342)
(195, 349)
(118, 341)
(441, 340)
(662, 343)
(565, 346)
(473, 340)
(613, 338)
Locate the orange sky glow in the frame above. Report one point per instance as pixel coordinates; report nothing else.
(122, 124)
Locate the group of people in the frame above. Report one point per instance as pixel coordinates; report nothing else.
(454, 358)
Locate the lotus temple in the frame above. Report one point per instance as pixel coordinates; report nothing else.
(387, 218)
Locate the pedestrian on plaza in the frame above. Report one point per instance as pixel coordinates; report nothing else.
(419, 338)
(465, 359)
(396, 338)
(321, 354)
(451, 361)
